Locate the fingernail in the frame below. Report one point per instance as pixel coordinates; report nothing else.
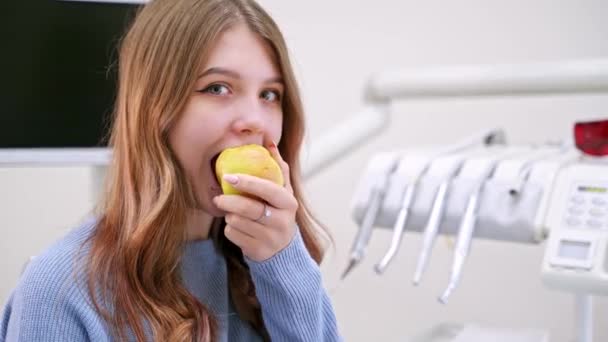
(232, 179)
(272, 144)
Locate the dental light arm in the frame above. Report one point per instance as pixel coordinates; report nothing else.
(564, 77)
(580, 76)
(343, 138)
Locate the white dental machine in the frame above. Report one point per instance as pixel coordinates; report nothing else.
(483, 188)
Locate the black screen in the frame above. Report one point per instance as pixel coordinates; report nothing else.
(59, 64)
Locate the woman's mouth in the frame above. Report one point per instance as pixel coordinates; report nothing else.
(215, 184)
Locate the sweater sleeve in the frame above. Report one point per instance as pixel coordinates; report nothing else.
(295, 306)
(40, 309)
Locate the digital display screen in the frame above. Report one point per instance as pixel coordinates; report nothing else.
(594, 189)
(59, 71)
(578, 250)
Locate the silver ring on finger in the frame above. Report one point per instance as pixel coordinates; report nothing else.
(265, 213)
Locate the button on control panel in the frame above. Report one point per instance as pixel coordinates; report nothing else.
(587, 208)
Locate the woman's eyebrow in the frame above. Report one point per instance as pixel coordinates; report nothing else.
(220, 71)
(277, 79)
(234, 74)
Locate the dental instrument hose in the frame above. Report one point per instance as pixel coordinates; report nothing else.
(365, 231)
(398, 229)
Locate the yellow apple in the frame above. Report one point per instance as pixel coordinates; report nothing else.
(250, 159)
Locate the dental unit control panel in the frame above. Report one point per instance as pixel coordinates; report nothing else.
(576, 255)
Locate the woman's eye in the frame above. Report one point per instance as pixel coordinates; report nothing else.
(216, 89)
(271, 95)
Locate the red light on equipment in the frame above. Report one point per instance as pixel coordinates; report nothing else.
(592, 137)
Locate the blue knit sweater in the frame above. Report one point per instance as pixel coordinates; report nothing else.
(50, 302)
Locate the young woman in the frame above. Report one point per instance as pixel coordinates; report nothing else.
(168, 257)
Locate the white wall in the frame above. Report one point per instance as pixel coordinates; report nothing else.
(37, 206)
(336, 45)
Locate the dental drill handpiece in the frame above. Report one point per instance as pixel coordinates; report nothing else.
(467, 224)
(420, 166)
(370, 197)
(466, 231)
(365, 229)
(432, 228)
(463, 244)
(398, 229)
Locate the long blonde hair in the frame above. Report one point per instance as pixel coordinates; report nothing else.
(134, 274)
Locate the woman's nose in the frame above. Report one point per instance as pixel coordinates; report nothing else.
(250, 118)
